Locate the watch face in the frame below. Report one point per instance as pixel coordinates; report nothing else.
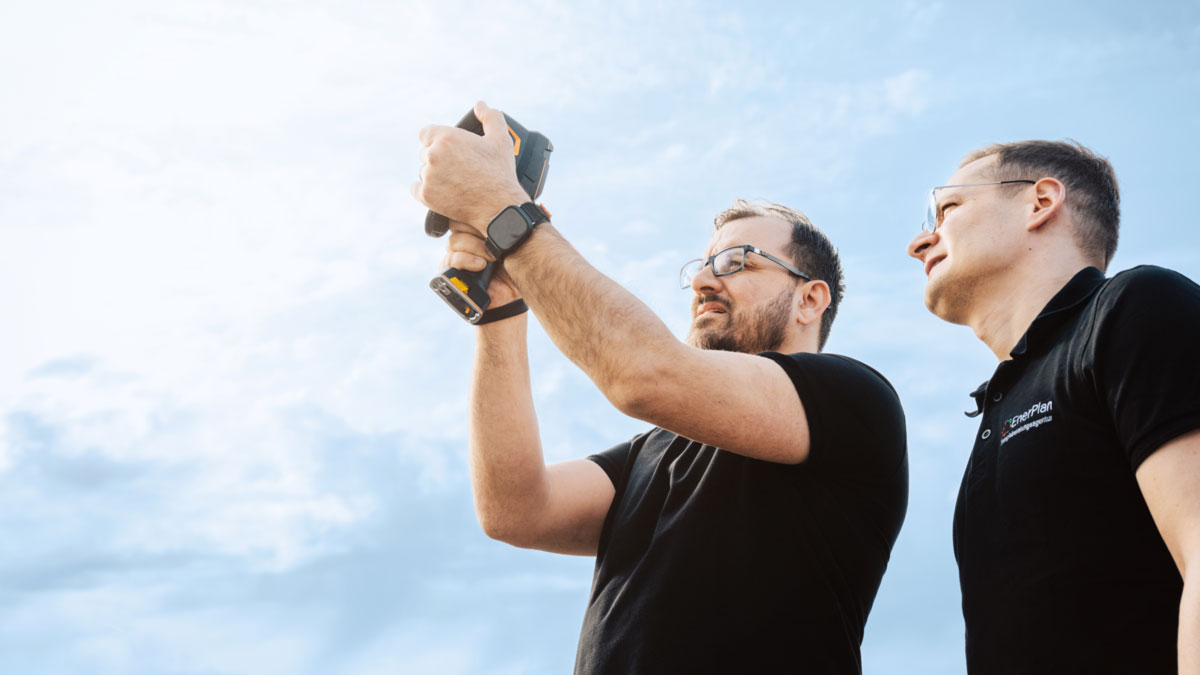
(508, 228)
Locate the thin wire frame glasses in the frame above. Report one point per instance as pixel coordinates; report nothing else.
(933, 213)
(730, 261)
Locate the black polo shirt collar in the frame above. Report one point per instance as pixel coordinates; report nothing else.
(1075, 293)
(1061, 307)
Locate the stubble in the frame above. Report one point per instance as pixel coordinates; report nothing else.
(760, 329)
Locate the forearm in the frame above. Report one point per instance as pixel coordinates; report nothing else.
(603, 328)
(508, 472)
(1189, 627)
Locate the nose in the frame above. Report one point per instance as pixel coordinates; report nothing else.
(921, 244)
(706, 282)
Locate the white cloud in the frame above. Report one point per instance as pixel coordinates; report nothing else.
(221, 365)
(906, 92)
(922, 16)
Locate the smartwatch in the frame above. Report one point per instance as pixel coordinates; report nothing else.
(512, 226)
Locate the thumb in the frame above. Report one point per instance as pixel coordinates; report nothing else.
(494, 124)
(461, 227)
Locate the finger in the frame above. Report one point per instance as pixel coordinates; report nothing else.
(418, 192)
(465, 261)
(494, 124)
(468, 243)
(422, 163)
(427, 134)
(481, 110)
(459, 226)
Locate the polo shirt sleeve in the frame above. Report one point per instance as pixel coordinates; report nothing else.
(1145, 358)
(855, 422)
(615, 460)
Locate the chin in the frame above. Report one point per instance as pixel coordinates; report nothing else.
(930, 300)
(946, 306)
(698, 336)
(709, 337)
(936, 288)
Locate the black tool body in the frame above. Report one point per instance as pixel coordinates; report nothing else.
(466, 291)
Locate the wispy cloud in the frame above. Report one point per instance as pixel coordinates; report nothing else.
(231, 412)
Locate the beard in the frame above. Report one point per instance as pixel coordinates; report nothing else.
(750, 331)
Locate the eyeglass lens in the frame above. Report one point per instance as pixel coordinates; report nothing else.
(689, 272)
(726, 262)
(931, 212)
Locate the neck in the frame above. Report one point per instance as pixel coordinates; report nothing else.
(802, 340)
(1002, 320)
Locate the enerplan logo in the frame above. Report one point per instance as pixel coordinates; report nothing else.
(1036, 416)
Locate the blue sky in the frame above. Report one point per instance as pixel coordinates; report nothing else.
(232, 414)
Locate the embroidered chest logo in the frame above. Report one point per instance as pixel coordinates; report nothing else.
(1036, 416)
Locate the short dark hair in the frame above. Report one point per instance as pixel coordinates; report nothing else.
(809, 248)
(1091, 185)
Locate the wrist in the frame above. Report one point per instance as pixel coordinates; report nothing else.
(512, 198)
(503, 297)
(509, 230)
(502, 312)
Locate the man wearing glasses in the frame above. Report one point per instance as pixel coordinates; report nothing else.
(749, 529)
(1077, 529)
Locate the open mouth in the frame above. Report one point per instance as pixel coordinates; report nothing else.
(710, 308)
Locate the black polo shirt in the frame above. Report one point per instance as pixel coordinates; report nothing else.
(713, 562)
(1061, 566)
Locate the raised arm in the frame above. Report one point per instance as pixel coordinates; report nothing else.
(518, 499)
(742, 403)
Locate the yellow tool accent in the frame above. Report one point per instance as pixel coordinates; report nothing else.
(516, 142)
(458, 282)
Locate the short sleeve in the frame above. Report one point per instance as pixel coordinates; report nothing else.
(855, 421)
(615, 460)
(1145, 357)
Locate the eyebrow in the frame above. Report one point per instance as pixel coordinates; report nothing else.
(946, 195)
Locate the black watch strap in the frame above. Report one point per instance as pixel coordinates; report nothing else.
(513, 308)
(534, 215)
(535, 212)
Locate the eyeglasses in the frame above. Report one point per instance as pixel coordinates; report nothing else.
(934, 215)
(730, 261)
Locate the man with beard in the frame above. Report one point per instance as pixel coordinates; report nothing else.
(1077, 530)
(749, 529)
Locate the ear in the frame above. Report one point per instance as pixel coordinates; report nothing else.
(812, 297)
(1050, 198)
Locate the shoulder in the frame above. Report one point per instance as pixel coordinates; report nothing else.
(840, 381)
(1147, 283)
(1150, 310)
(856, 372)
(1144, 298)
